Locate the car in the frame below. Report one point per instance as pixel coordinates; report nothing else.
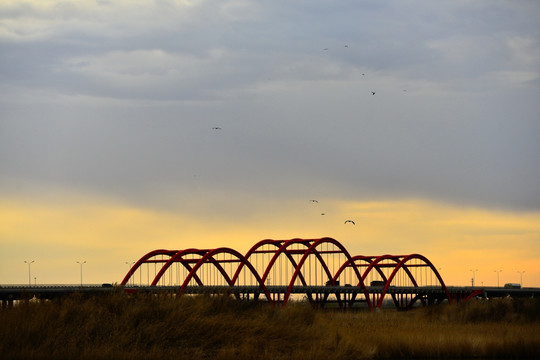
(512, 286)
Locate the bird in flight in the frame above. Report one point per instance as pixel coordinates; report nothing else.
(323, 214)
(346, 45)
(372, 92)
(347, 221)
(216, 128)
(314, 201)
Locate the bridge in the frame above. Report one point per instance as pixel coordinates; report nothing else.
(320, 271)
(11, 293)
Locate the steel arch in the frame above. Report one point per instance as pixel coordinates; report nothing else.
(402, 264)
(352, 263)
(282, 248)
(144, 259)
(361, 279)
(279, 245)
(209, 256)
(178, 258)
(312, 249)
(296, 256)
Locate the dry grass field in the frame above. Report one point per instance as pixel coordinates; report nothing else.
(118, 326)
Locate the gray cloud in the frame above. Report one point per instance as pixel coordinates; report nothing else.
(124, 105)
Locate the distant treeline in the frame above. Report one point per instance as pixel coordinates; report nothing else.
(118, 326)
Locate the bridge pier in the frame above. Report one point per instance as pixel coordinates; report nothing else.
(7, 304)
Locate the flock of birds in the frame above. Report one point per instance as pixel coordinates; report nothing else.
(312, 200)
(346, 46)
(348, 221)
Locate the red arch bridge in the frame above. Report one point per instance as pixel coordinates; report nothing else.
(319, 270)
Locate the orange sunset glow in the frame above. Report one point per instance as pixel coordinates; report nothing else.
(107, 235)
(132, 126)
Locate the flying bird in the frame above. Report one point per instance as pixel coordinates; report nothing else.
(323, 214)
(314, 201)
(346, 45)
(346, 221)
(372, 92)
(216, 128)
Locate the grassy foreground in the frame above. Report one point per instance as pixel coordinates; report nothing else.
(159, 327)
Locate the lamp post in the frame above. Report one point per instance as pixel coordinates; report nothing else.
(498, 272)
(81, 263)
(29, 276)
(473, 275)
(521, 277)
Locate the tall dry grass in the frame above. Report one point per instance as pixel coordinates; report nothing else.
(162, 327)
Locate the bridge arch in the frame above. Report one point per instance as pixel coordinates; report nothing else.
(403, 264)
(179, 258)
(310, 268)
(279, 245)
(352, 263)
(313, 250)
(146, 259)
(209, 257)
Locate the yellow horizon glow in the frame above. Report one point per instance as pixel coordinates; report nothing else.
(106, 234)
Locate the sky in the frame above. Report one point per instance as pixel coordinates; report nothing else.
(128, 126)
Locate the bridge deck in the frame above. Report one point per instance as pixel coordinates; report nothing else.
(18, 292)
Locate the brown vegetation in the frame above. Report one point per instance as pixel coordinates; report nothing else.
(161, 327)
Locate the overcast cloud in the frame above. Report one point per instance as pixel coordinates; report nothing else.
(119, 99)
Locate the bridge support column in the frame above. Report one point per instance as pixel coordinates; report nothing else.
(7, 303)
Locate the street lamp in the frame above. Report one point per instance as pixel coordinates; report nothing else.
(521, 277)
(498, 272)
(29, 276)
(473, 275)
(81, 263)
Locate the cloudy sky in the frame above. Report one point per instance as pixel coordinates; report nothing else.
(127, 126)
